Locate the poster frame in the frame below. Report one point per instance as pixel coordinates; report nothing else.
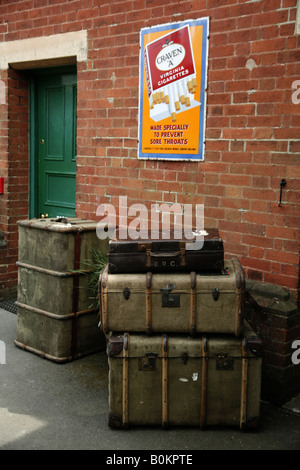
(160, 155)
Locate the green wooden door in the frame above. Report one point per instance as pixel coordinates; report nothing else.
(55, 138)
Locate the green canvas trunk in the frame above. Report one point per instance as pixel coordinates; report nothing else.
(175, 380)
(173, 303)
(55, 318)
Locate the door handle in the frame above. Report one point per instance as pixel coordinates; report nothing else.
(44, 216)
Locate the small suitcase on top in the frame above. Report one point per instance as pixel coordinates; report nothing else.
(173, 302)
(167, 255)
(175, 380)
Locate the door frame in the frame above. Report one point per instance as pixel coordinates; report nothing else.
(33, 158)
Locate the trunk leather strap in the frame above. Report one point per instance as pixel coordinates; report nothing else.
(148, 304)
(164, 381)
(77, 251)
(103, 300)
(125, 381)
(204, 382)
(193, 304)
(182, 253)
(148, 247)
(240, 295)
(243, 410)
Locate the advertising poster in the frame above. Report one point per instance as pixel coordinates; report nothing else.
(172, 101)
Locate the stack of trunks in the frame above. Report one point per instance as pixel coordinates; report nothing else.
(179, 350)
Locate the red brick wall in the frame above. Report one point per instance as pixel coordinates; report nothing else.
(252, 131)
(14, 169)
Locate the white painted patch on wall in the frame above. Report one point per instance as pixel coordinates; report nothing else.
(113, 78)
(251, 64)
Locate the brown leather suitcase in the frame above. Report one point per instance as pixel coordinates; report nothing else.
(167, 255)
(175, 380)
(173, 303)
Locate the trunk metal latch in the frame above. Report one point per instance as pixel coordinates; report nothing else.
(223, 362)
(215, 293)
(168, 299)
(126, 293)
(148, 363)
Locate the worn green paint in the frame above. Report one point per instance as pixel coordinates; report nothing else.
(59, 319)
(53, 143)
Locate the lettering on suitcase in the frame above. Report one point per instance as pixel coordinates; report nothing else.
(164, 260)
(164, 264)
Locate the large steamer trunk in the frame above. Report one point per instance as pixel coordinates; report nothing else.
(55, 317)
(166, 253)
(169, 380)
(173, 302)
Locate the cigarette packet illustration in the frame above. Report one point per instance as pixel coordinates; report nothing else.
(170, 74)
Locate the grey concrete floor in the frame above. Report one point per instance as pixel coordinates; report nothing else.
(49, 406)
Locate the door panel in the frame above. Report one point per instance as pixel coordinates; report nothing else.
(56, 144)
(63, 198)
(54, 133)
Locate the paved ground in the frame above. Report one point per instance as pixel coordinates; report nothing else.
(48, 406)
